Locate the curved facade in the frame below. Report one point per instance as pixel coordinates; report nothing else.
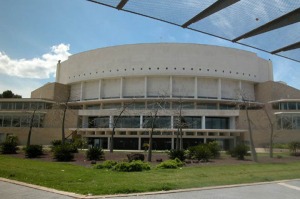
(198, 83)
(170, 70)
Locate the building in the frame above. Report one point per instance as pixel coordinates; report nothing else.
(199, 90)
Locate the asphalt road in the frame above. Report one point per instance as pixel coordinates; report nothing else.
(276, 190)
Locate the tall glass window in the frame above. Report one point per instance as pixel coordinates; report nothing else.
(188, 122)
(159, 122)
(98, 122)
(217, 123)
(128, 122)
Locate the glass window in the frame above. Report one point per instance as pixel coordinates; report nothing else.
(16, 122)
(292, 105)
(98, 122)
(6, 121)
(207, 106)
(184, 105)
(217, 123)
(159, 122)
(190, 122)
(158, 105)
(93, 107)
(19, 105)
(227, 107)
(25, 120)
(112, 106)
(127, 122)
(26, 105)
(1, 120)
(136, 105)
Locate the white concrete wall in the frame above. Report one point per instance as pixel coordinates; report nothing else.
(165, 59)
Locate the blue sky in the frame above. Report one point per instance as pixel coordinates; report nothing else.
(34, 34)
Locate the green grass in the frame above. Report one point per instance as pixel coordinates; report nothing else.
(82, 180)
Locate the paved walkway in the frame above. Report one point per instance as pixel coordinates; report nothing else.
(289, 189)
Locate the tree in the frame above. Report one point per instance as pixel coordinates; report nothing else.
(9, 94)
(30, 127)
(180, 124)
(266, 109)
(246, 104)
(115, 123)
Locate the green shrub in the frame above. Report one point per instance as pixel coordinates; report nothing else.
(95, 153)
(9, 146)
(33, 151)
(170, 164)
(133, 166)
(180, 154)
(240, 151)
(63, 153)
(294, 147)
(214, 148)
(108, 164)
(200, 152)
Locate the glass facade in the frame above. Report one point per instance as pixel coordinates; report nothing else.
(98, 122)
(24, 105)
(21, 120)
(288, 121)
(217, 123)
(159, 122)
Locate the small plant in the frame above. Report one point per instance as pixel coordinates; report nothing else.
(108, 164)
(200, 152)
(63, 153)
(135, 156)
(9, 146)
(95, 153)
(33, 151)
(294, 147)
(180, 154)
(131, 166)
(214, 148)
(240, 151)
(170, 164)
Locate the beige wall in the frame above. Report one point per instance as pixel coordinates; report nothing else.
(261, 129)
(52, 91)
(164, 59)
(269, 91)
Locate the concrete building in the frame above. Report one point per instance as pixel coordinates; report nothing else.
(200, 89)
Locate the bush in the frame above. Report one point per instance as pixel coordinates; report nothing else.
(95, 153)
(72, 146)
(214, 148)
(63, 153)
(135, 156)
(180, 154)
(9, 146)
(170, 164)
(200, 152)
(33, 151)
(294, 147)
(133, 166)
(240, 151)
(108, 164)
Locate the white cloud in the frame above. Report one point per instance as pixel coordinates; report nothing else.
(39, 68)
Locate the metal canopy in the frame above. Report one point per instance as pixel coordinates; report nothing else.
(268, 25)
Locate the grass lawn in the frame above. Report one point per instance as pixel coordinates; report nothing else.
(83, 180)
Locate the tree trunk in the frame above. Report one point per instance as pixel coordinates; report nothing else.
(252, 148)
(271, 134)
(63, 137)
(30, 129)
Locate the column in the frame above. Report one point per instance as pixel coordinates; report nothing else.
(111, 120)
(140, 144)
(141, 122)
(85, 122)
(121, 87)
(196, 88)
(100, 85)
(219, 88)
(108, 143)
(203, 122)
(171, 86)
(172, 143)
(145, 86)
(81, 91)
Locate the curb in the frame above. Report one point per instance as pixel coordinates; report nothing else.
(79, 196)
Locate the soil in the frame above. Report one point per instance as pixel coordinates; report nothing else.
(80, 158)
